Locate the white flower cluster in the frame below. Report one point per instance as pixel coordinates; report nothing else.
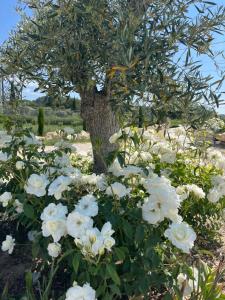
(181, 235)
(5, 138)
(216, 158)
(30, 140)
(184, 191)
(5, 198)
(54, 221)
(218, 189)
(85, 292)
(215, 124)
(36, 185)
(9, 244)
(79, 225)
(162, 202)
(118, 190)
(4, 156)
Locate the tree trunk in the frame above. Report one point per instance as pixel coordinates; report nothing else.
(101, 123)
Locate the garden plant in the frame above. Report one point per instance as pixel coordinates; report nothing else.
(138, 230)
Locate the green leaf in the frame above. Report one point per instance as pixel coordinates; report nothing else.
(128, 230)
(119, 253)
(139, 234)
(76, 262)
(29, 211)
(111, 270)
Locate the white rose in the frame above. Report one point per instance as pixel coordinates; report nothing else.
(169, 156)
(182, 192)
(8, 244)
(62, 161)
(77, 224)
(77, 293)
(4, 156)
(117, 189)
(54, 212)
(5, 198)
(58, 186)
(131, 171)
(87, 206)
(196, 190)
(31, 140)
(20, 165)
(109, 243)
(36, 185)
(181, 235)
(18, 206)
(107, 230)
(98, 247)
(214, 195)
(54, 249)
(151, 212)
(54, 228)
(115, 168)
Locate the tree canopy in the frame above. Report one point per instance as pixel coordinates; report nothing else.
(123, 46)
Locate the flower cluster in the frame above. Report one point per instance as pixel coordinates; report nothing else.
(113, 224)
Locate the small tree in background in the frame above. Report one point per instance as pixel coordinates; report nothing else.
(41, 121)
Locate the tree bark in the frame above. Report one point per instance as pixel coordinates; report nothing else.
(101, 123)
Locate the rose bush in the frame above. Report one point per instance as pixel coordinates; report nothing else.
(126, 233)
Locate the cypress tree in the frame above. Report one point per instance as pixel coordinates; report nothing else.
(40, 121)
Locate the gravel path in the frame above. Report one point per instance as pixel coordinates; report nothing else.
(82, 148)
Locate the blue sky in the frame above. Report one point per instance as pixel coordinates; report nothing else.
(9, 18)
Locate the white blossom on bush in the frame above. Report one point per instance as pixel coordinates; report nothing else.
(58, 186)
(31, 140)
(62, 161)
(18, 206)
(77, 224)
(8, 244)
(196, 190)
(5, 198)
(36, 185)
(4, 156)
(117, 189)
(131, 170)
(54, 212)
(85, 292)
(115, 168)
(20, 165)
(168, 157)
(87, 206)
(181, 235)
(54, 249)
(94, 242)
(54, 228)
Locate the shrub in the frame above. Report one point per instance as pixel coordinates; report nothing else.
(122, 234)
(41, 121)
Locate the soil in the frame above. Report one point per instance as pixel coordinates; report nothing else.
(14, 266)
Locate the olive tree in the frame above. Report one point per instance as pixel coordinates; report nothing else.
(116, 53)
